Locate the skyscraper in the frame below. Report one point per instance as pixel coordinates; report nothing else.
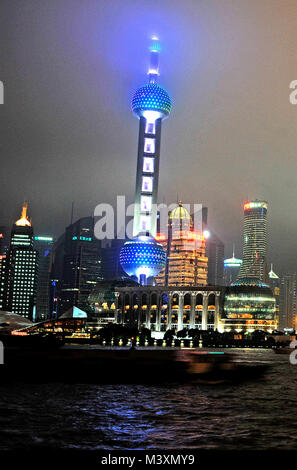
(274, 282)
(254, 241)
(231, 269)
(2, 280)
(43, 245)
(21, 269)
(143, 257)
(4, 239)
(81, 265)
(287, 308)
(186, 262)
(215, 254)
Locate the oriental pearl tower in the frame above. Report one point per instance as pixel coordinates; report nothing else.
(143, 257)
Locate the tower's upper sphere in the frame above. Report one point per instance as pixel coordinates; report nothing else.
(151, 97)
(142, 256)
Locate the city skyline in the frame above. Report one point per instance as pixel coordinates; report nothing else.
(224, 120)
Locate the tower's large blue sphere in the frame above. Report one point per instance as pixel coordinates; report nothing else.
(142, 256)
(151, 97)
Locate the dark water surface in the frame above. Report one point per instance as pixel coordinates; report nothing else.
(252, 415)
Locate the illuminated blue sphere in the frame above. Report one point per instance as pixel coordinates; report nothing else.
(151, 97)
(142, 256)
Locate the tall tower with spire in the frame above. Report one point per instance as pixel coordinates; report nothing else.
(21, 269)
(151, 104)
(143, 257)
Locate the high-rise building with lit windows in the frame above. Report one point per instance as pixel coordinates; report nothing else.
(21, 269)
(231, 269)
(2, 280)
(274, 282)
(288, 301)
(143, 257)
(186, 262)
(43, 244)
(77, 266)
(254, 241)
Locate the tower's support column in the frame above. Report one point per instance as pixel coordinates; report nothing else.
(217, 310)
(148, 313)
(158, 313)
(193, 304)
(116, 307)
(169, 310)
(180, 310)
(205, 311)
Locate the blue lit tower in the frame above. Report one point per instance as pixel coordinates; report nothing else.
(143, 257)
(151, 104)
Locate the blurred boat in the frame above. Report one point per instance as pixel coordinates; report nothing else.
(46, 359)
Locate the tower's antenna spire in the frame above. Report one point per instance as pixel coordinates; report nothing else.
(233, 251)
(155, 48)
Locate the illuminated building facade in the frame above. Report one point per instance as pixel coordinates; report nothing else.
(254, 241)
(43, 245)
(21, 269)
(81, 268)
(288, 301)
(4, 239)
(2, 280)
(249, 305)
(151, 104)
(142, 258)
(215, 255)
(274, 282)
(161, 308)
(186, 262)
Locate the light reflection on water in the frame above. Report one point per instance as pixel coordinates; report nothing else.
(252, 415)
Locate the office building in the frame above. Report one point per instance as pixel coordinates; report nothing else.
(43, 245)
(254, 241)
(287, 308)
(231, 269)
(186, 262)
(274, 282)
(21, 269)
(81, 270)
(215, 256)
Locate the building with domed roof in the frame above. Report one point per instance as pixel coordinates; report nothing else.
(186, 262)
(249, 305)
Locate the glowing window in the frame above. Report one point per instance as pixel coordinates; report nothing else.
(149, 145)
(146, 203)
(148, 165)
(147, 184)
(150, 128)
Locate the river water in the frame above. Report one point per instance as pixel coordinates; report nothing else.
(255, 415)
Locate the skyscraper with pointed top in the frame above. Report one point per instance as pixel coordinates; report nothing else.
(21, 269)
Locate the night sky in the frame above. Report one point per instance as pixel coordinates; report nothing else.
(70, 68)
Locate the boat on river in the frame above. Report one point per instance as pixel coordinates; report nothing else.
(47, 359)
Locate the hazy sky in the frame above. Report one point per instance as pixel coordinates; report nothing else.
(70, 68)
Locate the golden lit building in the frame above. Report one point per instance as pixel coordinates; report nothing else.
(186, 263)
